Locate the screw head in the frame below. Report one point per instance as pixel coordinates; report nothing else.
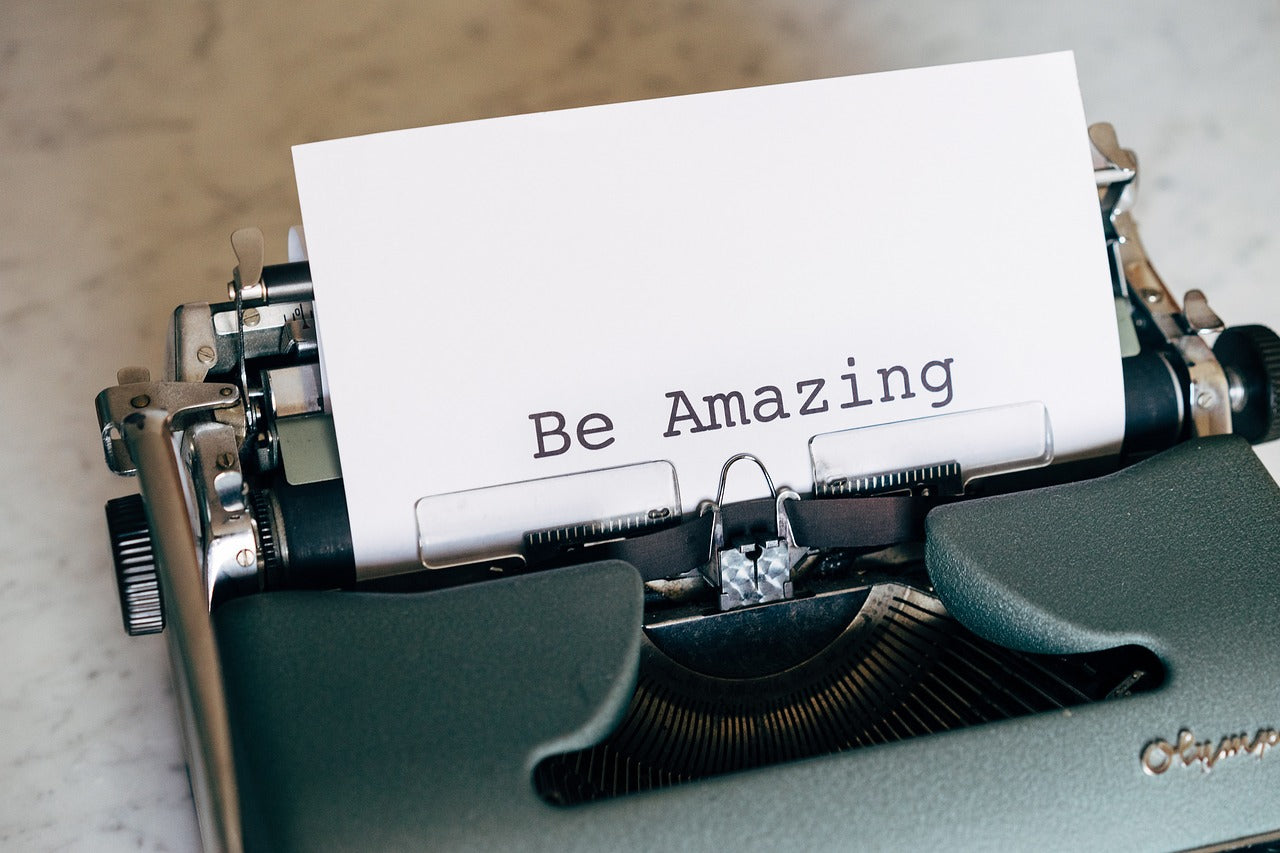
(1204, 399)
(226, 460)
(245, 557)
(206, 355)
(251, 317)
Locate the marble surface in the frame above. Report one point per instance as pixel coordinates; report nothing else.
(135, 136)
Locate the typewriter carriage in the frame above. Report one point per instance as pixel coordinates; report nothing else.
(263, 472)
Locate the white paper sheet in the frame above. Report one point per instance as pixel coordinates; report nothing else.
(621, 261)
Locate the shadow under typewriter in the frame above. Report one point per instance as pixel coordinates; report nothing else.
(838, 671)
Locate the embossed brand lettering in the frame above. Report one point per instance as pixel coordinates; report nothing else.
(1159, 755)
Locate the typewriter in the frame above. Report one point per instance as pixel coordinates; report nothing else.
(1081, 655)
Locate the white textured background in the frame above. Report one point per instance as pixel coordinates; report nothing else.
(135, 136)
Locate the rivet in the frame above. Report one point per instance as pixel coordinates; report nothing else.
(140, 402)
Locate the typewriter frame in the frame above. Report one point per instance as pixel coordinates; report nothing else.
(183, 438)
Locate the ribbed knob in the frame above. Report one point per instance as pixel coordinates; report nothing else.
(268, 544)
(1252, 353)
(141, 605)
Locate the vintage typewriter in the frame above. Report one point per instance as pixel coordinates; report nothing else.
(1082, 655)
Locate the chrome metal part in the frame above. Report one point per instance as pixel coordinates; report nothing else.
(717, 540)
(1237, 396)
(250, 249)
(1201, 319)
(179, 399)
(1191, 331)
(1115, 170)
(145, 446)
(1111, 163)
(1159, 755)
(227, 534)
(965, 446)
(279, 329)
(1142, 277)
(273, 541)
(603, 530)
(1210, 391)
(778, 556)
(204, 340)
(737, 567)
(193, 348)
(291, 391)
(500, 522)
(250, 411)
(758, 572)
(131, 375)
(943, 478)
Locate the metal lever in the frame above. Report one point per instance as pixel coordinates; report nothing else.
(139, 420)
(250, 249)
(1189, 330)
(251, 252)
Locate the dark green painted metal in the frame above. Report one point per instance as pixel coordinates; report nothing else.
(368, 721)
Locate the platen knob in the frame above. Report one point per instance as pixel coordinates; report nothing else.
(1251, 357)
(141, 605)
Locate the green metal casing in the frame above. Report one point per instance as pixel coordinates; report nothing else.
(413, 721)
